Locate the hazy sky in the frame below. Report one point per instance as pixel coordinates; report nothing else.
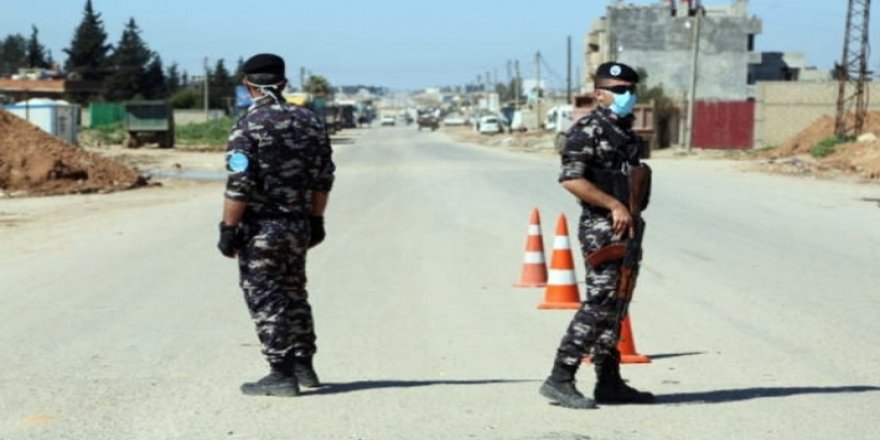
(400, 43)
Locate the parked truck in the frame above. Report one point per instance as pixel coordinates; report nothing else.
(149, 121)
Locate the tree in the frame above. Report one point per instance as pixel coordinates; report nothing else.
(13, 54)
(317, 85)
(173, 81)
(87, 56)
(129, 62)
(154, 84)
(220, 86)
(36, 52)
(239, 71)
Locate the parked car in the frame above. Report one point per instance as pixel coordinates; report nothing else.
(388, 120)
(455, 120)
(490, 125)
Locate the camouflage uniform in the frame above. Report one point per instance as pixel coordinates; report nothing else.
(278, 155)
(596, 142)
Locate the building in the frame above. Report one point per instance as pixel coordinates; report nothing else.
(660, 39)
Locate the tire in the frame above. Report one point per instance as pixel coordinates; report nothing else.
(131, 140)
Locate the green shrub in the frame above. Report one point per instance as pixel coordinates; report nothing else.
(827, 146)
(215, 132)
(111, 134)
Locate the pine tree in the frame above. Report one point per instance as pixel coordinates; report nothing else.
(220, 86)
(129, 62)
(13, 54)
(239, 71)
(36, 52)
(173, 79)
(154, 84)
(88, 53)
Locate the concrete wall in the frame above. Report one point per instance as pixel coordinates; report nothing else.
(652, 38)
(785, 108)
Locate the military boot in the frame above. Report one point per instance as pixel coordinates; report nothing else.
(610, 387)
(279, 382)
(560, 388)
(304, 372)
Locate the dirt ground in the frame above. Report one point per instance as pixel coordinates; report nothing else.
(33, 162)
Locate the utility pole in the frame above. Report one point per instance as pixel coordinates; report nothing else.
(302, 79)
(692, 95)
(516, 86)
(207, 78)
(853, 70)
(568, 74)
(538, 89)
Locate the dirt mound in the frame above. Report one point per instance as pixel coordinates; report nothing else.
(862, 158)
(33, 162)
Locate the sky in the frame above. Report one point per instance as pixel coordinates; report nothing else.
(401, 44)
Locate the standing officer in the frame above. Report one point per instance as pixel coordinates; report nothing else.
(281, 173)
(598, 148)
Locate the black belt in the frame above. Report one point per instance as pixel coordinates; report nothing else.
(595, 210)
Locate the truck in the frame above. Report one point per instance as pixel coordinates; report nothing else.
(564, 116)
(148, 121)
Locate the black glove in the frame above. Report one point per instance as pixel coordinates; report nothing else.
(318, 233)
(230, 240)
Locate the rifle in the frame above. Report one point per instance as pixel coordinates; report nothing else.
(630, 251)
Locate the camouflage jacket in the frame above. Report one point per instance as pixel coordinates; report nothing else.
(277, 156)
(599, 142)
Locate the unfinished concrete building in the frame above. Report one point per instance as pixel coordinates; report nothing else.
(660, 39)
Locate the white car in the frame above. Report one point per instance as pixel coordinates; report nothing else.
(388, 120)
(490, 125)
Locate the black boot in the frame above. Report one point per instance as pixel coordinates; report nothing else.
(279, 382)
(560, 388)
(304, 372)
(610, 387)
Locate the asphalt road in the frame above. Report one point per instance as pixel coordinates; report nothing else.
(758, 301)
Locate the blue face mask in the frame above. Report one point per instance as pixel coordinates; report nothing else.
(623, 103)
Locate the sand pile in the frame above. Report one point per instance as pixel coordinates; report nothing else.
(861, 158)
(33, 162)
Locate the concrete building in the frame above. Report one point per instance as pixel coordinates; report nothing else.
(660, 39)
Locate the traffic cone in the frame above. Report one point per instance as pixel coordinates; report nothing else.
(534, 271)
(626, 345)
(562, 290)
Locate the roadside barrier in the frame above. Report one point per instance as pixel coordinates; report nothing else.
(562, 290)
(534, 270)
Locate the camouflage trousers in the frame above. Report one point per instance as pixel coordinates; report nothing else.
(595, 327)
(272, 268)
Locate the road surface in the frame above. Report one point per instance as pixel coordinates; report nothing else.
(758, 301)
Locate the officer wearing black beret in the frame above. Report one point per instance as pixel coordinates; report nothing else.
(281, 172)
(599, 151)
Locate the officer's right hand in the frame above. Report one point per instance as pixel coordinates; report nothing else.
(621, 220)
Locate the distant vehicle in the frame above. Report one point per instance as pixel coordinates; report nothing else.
(455, 120)
(491, 125)
(148, 121)
(388, 121)
(428, 119)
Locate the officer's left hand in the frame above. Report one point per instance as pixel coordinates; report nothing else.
(316, 224)
(229, 243)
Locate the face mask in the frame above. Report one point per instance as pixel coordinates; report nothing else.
(623, 103)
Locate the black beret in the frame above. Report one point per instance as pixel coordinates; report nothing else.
(617, 71)
(264, 63)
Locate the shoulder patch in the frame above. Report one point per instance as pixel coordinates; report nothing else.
(237, 162)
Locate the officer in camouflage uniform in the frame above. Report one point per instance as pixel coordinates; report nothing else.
(281, 173)
(598, 146)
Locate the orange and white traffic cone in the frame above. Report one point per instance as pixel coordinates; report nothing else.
(562, 290)
(534, 270)
(626, 345)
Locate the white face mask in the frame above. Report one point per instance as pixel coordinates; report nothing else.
(267, 90)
